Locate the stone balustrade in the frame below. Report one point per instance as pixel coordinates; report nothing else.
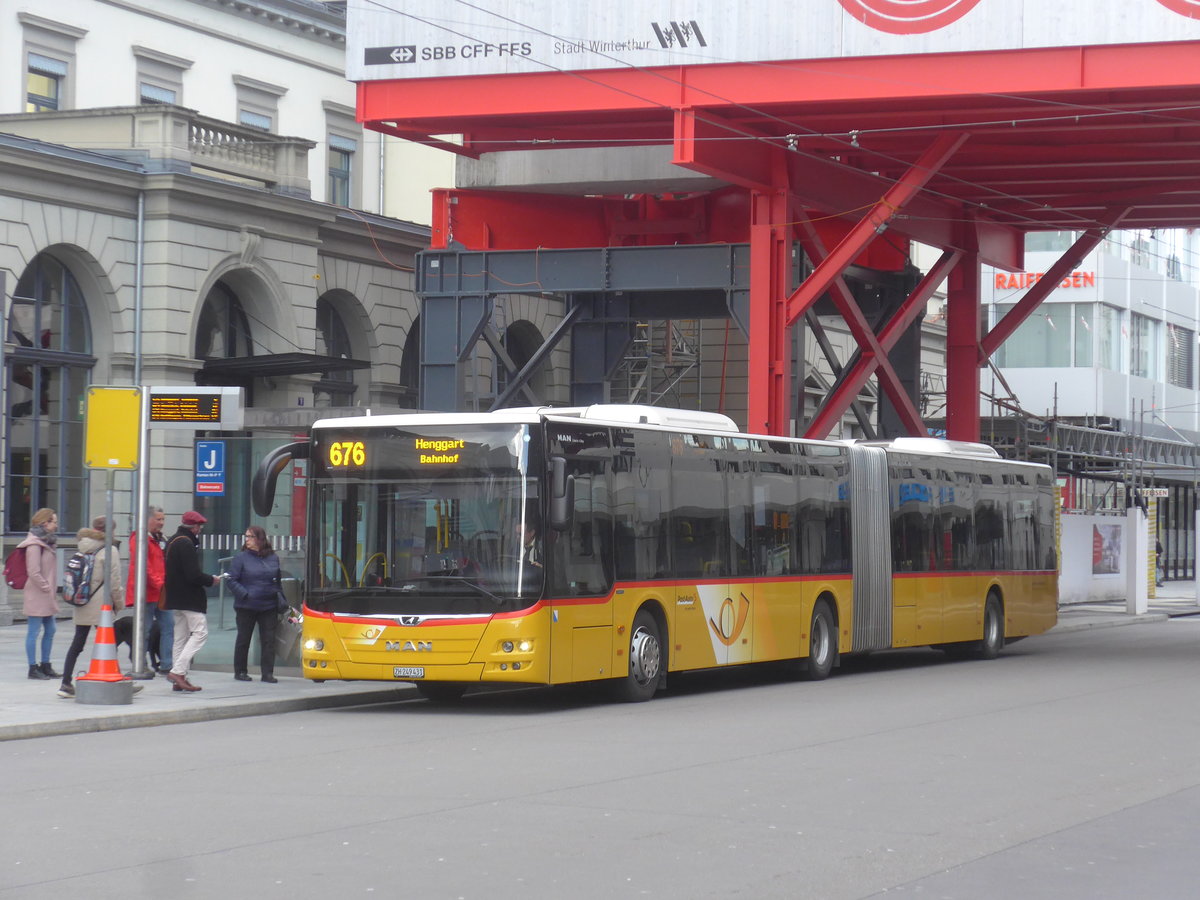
(175, 139)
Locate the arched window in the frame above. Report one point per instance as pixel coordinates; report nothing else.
(521, 340)
(47, 366)
(336, 387)
(410, 367)
(224, 330)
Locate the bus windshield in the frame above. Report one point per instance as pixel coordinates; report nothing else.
(419, 523)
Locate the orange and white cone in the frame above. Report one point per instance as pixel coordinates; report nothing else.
(104, 653)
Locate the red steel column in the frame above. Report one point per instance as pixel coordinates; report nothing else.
(964, 323)
(769, 363)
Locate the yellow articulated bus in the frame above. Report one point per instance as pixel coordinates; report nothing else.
(622, 543)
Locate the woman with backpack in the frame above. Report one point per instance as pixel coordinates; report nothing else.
(91, 541)
(41, 590)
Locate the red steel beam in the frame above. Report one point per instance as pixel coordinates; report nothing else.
(855, 376)
(702, 144)
(869, 348)
(441, 105)
(872, 224)
(1062, 267)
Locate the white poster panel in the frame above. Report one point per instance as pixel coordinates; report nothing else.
(390, 39)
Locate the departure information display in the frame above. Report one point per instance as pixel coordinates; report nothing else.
(203, 408)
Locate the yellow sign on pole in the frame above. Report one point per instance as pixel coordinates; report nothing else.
(112, 427)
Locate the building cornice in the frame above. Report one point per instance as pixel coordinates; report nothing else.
(29, 20)
(310, 19)
(330, 37)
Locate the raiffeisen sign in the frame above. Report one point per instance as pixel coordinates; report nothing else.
(390, 39)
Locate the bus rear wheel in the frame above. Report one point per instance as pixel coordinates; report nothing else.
(822, 643)
(645, 661)
(440, 691)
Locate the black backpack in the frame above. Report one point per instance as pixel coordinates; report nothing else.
(77, 578)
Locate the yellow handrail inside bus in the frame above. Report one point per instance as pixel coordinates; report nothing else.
(437, 511)
(341, 565)
(367, 566)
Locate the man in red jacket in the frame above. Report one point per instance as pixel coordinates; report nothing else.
(155, 578)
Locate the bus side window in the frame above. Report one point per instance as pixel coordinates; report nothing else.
(582, 554)
(640, 490)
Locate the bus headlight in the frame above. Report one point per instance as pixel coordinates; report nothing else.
(314, 644)
(525, 646)
(507, 646)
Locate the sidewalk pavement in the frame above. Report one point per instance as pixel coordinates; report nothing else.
(31, 708)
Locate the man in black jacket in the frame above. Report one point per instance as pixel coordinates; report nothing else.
(187, 594)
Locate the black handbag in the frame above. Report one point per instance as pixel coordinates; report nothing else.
(281, 601)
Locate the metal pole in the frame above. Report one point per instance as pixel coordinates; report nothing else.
(137, 288)
(4, 615)
(108, 537)
(140, 493)
(139, 548)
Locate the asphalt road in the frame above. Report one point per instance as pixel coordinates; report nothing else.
(1068, 768)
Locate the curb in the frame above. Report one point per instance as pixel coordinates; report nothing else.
(196, 714)
(1116, 621)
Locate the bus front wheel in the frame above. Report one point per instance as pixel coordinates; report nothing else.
(822, 643)
(993, 629)
(645, 660)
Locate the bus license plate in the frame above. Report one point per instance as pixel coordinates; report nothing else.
(408, 671)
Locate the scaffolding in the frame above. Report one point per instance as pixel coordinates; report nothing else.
(662, 365)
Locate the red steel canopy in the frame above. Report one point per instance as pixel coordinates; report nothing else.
(962, 151)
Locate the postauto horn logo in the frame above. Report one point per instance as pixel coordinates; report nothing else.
(907, 16)
(727, 625)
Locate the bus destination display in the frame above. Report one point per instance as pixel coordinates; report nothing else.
(343, 454)
(440, 455)
(346, 454)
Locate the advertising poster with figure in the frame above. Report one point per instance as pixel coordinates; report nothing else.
(1106, 549)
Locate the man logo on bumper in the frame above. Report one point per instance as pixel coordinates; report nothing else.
(405, 646)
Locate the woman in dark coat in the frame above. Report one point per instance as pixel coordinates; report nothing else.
(254, 581)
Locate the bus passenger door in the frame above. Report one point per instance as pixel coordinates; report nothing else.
(917, 599)
(703, 618)
(711, 619)
(580, 563)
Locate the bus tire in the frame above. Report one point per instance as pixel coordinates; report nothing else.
(645, 660)
(992, 643)
(822, 643)
(440, 691)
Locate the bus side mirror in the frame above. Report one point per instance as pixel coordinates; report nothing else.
(262, 486)
(562, 494)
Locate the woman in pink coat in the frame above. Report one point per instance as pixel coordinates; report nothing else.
(41, 590)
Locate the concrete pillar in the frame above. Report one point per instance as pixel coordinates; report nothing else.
(1137, 544)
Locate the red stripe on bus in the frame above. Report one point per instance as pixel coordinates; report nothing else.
(941, 573)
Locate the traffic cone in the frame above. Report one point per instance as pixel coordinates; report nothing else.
(104, 654)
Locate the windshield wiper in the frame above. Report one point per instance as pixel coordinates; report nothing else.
(326, 596)
(464, 579)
